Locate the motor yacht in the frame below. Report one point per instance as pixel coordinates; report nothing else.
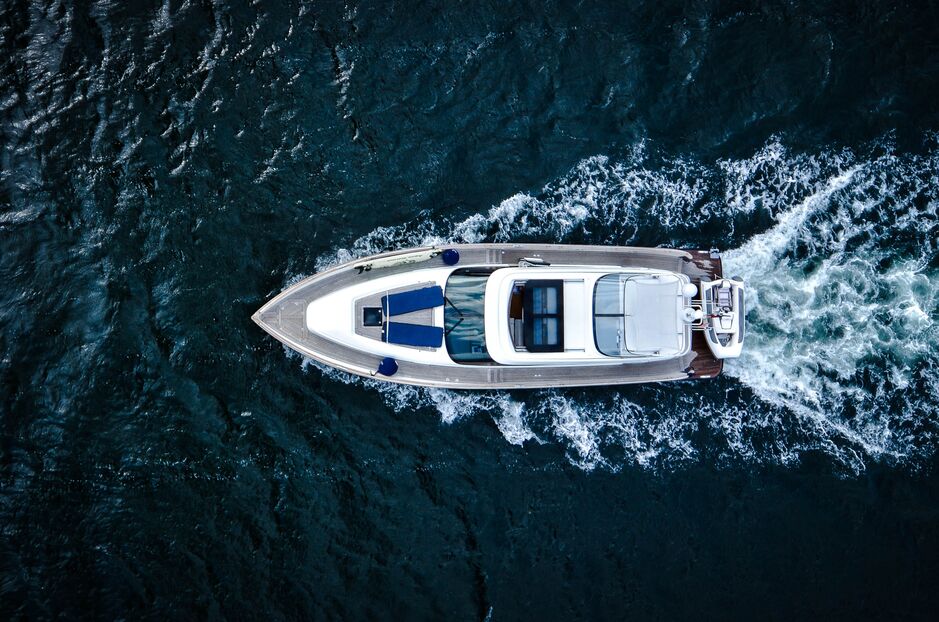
(500, 316)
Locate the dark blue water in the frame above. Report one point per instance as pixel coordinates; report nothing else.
(168, 167)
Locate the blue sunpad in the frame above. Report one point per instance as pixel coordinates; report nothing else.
(414, 300)
(417, 335)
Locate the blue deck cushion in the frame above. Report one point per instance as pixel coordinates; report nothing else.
(414, 300)
(417, 335)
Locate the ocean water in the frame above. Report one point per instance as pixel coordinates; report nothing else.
(169, 166)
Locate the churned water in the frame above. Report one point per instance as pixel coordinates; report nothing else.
(169, 166)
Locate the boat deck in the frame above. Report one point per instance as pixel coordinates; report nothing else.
(284, 318)
(423, 316)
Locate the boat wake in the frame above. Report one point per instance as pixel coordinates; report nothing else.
(841, 353)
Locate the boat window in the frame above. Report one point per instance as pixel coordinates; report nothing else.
(516, 315)
(609, 315)
(464, 316)
(544, 316)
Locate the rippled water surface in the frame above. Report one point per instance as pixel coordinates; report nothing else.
(168, 167)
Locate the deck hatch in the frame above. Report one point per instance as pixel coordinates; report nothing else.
(371, 316)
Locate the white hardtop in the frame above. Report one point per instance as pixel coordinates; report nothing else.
(653, 315)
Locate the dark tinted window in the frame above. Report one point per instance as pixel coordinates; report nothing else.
(544, 316)
(463, 316)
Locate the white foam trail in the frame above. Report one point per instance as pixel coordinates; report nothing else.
(841, 329)
(512, 423)
(843, 306)
(763, 251)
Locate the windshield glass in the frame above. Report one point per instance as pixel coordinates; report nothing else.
(609, 315)
(463, 316)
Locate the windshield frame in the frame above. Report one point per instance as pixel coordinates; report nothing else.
(464, 316)
(620, 280)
